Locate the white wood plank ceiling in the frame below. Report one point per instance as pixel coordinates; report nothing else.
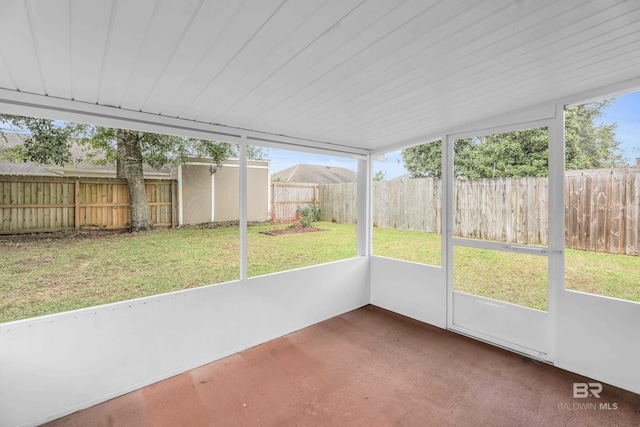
(362, 73)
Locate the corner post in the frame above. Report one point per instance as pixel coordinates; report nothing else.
(243, 206)
(364, 208)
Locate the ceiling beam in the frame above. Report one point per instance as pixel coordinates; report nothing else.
(25, 104)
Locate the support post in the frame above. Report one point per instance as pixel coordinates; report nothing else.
(448, 215)
(243, 207)
(180, 204)
(556, 224)
(364, 208)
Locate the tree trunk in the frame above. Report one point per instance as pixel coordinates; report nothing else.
(120, 136)
(140, 218)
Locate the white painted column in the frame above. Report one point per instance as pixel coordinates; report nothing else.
(556, 224)
(180, 201)
(447, 220)
(243, 206)
(213, 197)
(269, 192)
(364, 227)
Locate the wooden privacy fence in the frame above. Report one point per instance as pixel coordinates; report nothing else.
(287, 198)
(37, 204)
(512, 210)
(602, 208)
(338, 202)
(408, 204)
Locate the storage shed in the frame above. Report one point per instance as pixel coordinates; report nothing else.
(206, 197)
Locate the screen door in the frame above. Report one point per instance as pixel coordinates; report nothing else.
(498, 234)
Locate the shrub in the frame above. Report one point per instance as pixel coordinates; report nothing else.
(309, 215)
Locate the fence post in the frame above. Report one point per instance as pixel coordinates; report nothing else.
(174, 203)
(274, 213)
(77, 208)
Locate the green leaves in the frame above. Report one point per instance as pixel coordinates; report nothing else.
(424, 161)
(309, 215)
(46, 142)
(49, 142)
(590, 145)
(379, 175)
(524, 153)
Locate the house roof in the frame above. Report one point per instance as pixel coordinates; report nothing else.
(358, 74)
(78, 168)
(316, 174)
(81, 168)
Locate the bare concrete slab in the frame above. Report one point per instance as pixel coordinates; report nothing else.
(369, 367)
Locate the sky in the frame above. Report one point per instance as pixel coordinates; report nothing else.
(625, 111)
(282, 159)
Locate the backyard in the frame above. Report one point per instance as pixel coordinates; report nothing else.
(50, 275)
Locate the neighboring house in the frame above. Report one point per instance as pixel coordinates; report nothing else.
(79, 169)
(315, 174)
(202, 197)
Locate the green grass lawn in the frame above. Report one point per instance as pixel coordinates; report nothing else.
(51, 275)
(505, 276)
(512, 277)
(40, 277)
(416, 246)
(269, 254)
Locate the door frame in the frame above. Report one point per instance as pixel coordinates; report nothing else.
(546, 331)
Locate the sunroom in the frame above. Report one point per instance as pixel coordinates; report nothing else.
(351, 79)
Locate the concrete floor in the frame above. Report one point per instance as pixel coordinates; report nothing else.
(369, 367)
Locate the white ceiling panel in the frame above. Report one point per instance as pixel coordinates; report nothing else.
(361, 73)
(315, 41)
(129, 23)
(422, 38)
(263, 54)
(396, 75)
(19, 49)
(6, 80)
(239, 30)
(54, 63)
(385, 90)
(89, 34)
(168, 27)
(346, 56)
(210, 21)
